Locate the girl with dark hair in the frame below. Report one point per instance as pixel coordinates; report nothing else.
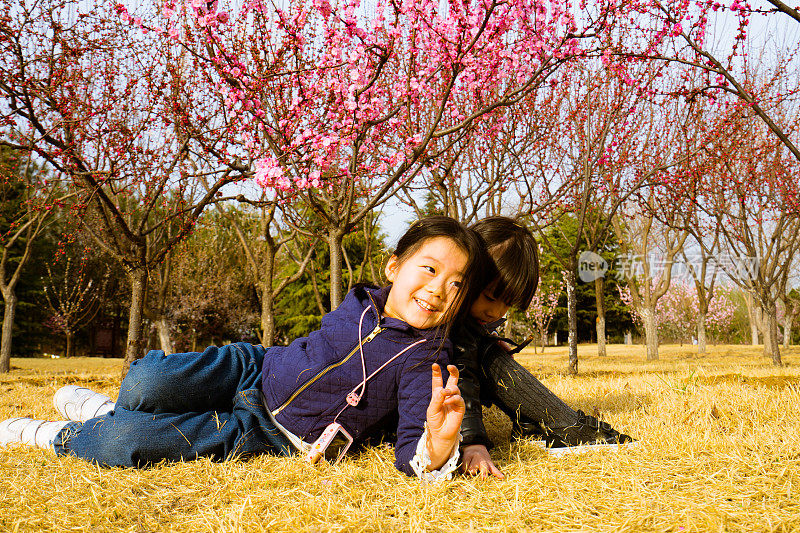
(489, 373)
(377, 357)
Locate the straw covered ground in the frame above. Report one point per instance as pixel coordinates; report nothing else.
(719, 450)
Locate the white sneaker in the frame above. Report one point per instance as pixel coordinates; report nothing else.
(28, 431)
(80, 404)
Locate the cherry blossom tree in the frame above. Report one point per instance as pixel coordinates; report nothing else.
(654, 224)
(697, 38)
(675, 313)
(742, 74)
(650, 249)
(598, 154)
(349, 106)
(117, 114)
(681, 305)
(756, 201)
(721, 312)
(755, 198)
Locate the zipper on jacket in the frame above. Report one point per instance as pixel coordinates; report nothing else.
(372, 334)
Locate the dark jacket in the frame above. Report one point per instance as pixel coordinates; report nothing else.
(470, 341)
(305, 384)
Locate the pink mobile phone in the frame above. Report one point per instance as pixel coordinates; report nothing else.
(334, 434)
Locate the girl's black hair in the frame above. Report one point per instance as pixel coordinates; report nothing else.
(514, 251)
(478, 270)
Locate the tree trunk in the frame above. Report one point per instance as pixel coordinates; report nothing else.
(701, 333)
(572, 316)
(267, 315)
(650, 333)
(787, 330)
(335, 248)
(164, 339)
(68, 351)
(135, 344)
(752, 312)
(766, 332)
(771, 333)
(8, 325)
(600, 302)
(267, 297)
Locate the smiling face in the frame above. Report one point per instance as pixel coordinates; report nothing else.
(487, 308)
(425, 285)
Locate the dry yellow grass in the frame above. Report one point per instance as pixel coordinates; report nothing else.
(719, 451)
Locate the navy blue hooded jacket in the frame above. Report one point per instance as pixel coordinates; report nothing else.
(306, 383)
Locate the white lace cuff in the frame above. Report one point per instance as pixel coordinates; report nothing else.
(421, 461)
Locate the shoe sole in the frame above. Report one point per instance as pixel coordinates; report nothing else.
(584, 448)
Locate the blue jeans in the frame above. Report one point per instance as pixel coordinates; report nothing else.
(180, 407)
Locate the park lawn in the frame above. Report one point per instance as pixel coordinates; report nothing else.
(719, 450)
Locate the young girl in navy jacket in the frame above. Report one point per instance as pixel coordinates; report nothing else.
(376, 358)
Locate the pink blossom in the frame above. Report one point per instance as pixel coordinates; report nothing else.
(269, 172)
(677, 311)
(314, 178)
(384, 92)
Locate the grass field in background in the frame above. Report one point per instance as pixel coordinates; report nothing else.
(719, 450)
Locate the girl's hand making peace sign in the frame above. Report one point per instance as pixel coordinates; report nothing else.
(444, 416)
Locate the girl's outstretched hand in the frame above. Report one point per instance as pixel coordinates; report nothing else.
(444, 416)
(477, 461)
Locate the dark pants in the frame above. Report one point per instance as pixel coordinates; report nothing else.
(518, 393)
(180, 407)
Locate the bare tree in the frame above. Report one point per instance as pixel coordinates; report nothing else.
(35, 195)
(650, 248)
(261, 241)
(598, 153)
(759, 219)
(73, 299)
